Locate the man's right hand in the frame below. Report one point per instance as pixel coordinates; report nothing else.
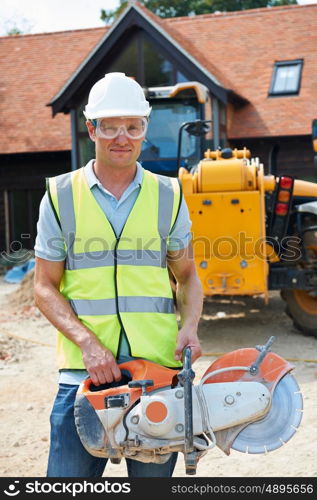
(100, 363)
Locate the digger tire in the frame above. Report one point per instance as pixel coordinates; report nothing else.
(301, 307)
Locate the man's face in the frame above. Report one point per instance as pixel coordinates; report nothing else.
(123, 150)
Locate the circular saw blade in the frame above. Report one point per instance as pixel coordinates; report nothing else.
(279, 424)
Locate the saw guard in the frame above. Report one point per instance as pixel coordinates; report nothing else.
(271, 370)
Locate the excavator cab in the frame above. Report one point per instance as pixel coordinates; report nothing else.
(172, 108)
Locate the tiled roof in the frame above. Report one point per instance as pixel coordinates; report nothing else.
(245, 45)
(33, 68)
(238, 48)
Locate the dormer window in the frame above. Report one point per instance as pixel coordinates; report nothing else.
(286, 78)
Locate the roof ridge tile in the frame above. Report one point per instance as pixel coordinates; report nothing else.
(50, 33)
(234, 13)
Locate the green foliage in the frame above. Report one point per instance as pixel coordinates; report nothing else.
(111, 15)
(233, 5)
(14, 31)
(175, 8)
(16, 26)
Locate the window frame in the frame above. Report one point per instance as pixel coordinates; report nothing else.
(281, 64)
(140, 36)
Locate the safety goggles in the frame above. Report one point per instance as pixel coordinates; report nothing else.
(109, 128)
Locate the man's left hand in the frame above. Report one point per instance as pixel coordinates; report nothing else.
(187, 338)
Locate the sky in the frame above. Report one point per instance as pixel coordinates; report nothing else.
(39, 16)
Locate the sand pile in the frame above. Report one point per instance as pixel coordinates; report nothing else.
(23, 296)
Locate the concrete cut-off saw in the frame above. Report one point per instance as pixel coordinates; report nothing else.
(247, 400)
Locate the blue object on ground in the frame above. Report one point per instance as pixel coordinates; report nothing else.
(17, 273)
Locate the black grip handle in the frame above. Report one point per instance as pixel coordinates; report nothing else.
(140, 383)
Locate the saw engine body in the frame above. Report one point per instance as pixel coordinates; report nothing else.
(247, 400)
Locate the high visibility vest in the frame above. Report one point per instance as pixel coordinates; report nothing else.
(118, 284)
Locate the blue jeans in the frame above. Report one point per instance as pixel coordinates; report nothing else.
(68, 457)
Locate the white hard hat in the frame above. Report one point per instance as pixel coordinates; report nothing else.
(116, 95)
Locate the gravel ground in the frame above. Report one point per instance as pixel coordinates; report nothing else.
(29, 377)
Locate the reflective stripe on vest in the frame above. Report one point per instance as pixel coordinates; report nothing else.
(99, 307)
(118, 281)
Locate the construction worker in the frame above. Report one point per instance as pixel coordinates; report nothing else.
(107, 235)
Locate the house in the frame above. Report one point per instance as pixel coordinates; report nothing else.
(259, 65)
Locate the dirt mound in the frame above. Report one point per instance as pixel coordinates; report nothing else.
(11, 349)
(23, 296)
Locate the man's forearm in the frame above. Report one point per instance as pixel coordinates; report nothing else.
(189, 301)
(189, 297)
(58, 311)
(98, 360)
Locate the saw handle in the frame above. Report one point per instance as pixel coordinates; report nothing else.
(185, 378)
(263, 349)
(143, 384)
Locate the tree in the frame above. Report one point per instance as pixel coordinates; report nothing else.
(14, 31)
(175, 8)
(17, 26)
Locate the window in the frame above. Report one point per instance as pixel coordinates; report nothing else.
(286, 78)
(161, 141)
(180, 77)
(140, 56)
(223, 125)
(85, 146)
(126, 60)
(158, 71)
(142, 60)
(160, 147)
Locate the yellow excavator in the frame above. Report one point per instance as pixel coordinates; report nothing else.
(250, 236)
(252, 232)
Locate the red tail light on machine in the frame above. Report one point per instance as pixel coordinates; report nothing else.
(286, 183)
(281, 209)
